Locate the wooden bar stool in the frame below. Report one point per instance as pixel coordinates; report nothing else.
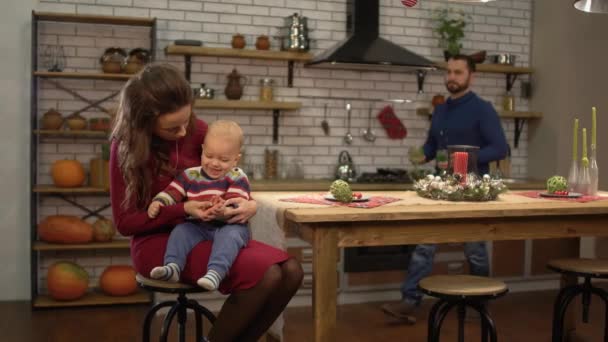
(587, 269)
(179, 307)
(461, 291)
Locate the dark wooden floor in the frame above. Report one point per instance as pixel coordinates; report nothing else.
(519, 317)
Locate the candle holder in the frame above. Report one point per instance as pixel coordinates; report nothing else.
(462, 160)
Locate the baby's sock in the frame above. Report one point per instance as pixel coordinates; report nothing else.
(210, 281)
(169, 272)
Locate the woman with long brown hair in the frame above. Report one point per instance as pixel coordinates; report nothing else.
(155, 136)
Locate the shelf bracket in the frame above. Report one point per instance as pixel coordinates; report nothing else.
(420, 76)
(510, 81)
(90, 213)
(519, 127)
(290, 65)
(188, 63)
(275, 126)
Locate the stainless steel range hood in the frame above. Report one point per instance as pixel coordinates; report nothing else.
(363, 49)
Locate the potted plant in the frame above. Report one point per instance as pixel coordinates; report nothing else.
(449, 24)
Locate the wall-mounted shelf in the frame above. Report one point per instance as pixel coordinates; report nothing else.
(45, 246)
(95, 298)
(84, 190)
(510, 71)
(82, 75)
(519, 116)
(275, 106)
(243, 104)
(93, 19)
(71, 134)
(189, 51)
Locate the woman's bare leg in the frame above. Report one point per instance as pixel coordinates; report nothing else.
(292, 275)
(247, 314)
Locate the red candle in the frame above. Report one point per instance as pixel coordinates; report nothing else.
(461, 161)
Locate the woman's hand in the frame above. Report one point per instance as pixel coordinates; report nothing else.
(243, 211)
(197, 208)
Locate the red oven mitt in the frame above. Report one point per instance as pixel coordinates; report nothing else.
(391, 123)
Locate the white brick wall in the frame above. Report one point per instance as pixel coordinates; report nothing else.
(502, 26)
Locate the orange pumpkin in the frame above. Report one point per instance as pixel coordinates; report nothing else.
(118, 280)
(67, 281)
(67, 173)
(65, 229)
(103, 230)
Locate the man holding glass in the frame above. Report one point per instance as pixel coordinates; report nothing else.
(464, 119)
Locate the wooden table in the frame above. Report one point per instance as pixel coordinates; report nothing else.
(415, 220)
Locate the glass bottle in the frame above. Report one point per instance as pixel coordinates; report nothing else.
(266, 90)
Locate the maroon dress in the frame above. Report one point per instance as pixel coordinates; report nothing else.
(149, 236)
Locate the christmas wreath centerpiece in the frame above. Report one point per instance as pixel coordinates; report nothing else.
(455, 187)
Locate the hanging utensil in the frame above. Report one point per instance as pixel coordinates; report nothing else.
(368, 134)
(324, 123)
(348, 138)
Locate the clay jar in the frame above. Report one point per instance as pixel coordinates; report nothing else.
(52, 120)
(262, 43)
(76, 122)
(238, 41)
(234, 88)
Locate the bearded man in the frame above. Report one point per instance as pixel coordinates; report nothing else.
(464, 119)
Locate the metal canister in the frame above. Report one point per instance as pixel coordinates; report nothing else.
(266, 89)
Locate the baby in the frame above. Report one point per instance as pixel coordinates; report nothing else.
(215, 181)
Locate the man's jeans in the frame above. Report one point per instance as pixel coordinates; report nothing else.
(421, 265)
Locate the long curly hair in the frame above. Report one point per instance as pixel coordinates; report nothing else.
(154, 91)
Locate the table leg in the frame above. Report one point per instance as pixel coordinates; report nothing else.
(325, 284)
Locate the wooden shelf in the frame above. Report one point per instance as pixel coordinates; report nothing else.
(116, 244)
(50, 189)
(71, 134)
(242, 104)
(95, 298)
(495, 68)
(83, 75)
(238, 53)
(93, 19)
(503, 114)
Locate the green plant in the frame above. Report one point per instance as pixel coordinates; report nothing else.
(449, 24)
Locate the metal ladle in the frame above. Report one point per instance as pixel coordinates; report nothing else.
(348, 138)
(368, 134)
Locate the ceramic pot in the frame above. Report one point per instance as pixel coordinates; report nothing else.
(238, 41)
(76, 122)
(52, 120)
(234, 88)
(112, 60)
(262, 43)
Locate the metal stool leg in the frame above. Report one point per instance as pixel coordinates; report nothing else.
(488, 323)
(461, 313)
(150, 316)
(164, 333)
(561, 304)
(443, 312)
(432, 318)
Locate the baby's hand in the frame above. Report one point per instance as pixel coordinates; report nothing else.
(154, 209)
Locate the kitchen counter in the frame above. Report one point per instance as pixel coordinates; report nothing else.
(323, 185)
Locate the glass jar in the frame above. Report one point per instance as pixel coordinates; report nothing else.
(266, 89)
(271, 163)
(508, 102)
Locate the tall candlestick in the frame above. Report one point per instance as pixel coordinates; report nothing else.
(585, 160)
(593, 126)
(575, 141)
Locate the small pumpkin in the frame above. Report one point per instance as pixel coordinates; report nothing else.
(67, 281)
(103, 230)
(67, 173)
(65, 229)
(118, 280)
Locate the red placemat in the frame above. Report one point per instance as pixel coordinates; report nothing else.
(582, 199)
(374, 201)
